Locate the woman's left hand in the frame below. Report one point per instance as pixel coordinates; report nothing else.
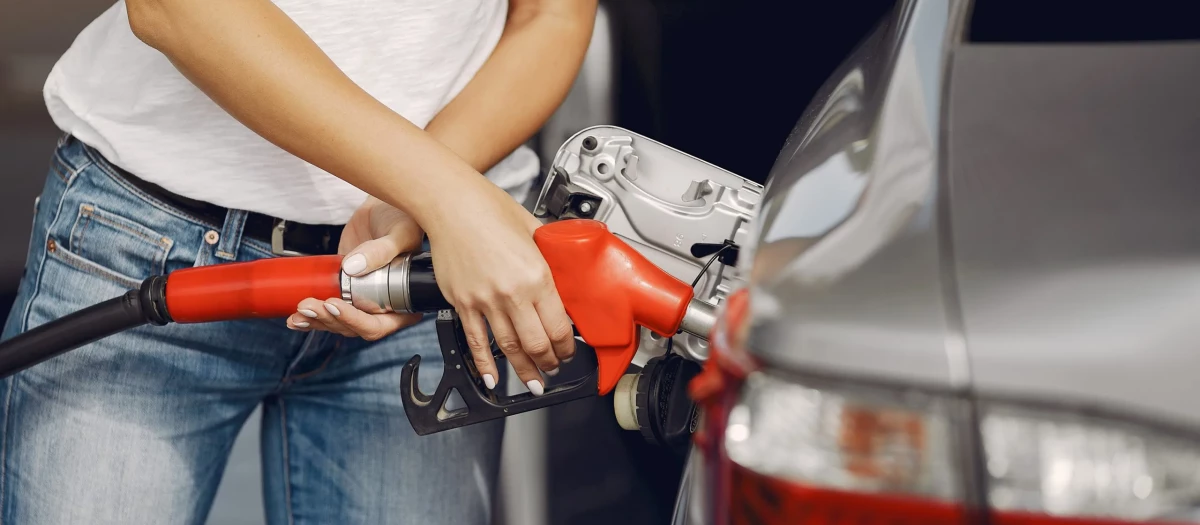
(375, 234)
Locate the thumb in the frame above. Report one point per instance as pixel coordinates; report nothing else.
(371, 255)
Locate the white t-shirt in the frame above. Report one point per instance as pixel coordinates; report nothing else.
(125, 99)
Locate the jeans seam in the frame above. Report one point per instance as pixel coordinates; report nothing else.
(72, 169)
(337, 349)
(4, 450)
(37, 279)
(162, 241)
(287, 462)
(310, 341)
(90, 267)
(55, 167)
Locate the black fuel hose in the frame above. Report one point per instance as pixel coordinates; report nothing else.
(146, 305)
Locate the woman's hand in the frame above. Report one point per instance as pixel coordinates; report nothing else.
(489, 268)
(375, 234)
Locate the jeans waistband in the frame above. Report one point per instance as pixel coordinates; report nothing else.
(285, 237)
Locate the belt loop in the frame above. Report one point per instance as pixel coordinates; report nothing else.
(231, 234)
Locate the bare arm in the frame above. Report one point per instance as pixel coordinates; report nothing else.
(257, 64)
(524, 80)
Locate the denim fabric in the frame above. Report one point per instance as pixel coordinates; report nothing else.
(137, 428)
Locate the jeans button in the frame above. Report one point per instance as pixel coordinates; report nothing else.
(212, 237)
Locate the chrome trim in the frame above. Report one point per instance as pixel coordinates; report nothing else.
(398, 291)
(369, 292)
(345, 280)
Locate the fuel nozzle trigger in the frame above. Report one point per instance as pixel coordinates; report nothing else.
(433, 413)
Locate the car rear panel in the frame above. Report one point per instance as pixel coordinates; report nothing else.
(1075, 184)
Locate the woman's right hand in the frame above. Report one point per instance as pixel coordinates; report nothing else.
(489, 268)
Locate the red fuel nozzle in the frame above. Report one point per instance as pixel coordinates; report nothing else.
(258, 289)
(608, 288)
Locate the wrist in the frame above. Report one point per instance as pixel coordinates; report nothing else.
(478, 205)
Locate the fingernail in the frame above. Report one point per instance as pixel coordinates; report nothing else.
(569, 359)
(535, 387)
(332, 309)
(552, 373)
(489, 381)
(308, 313)
(300, 324)
(354, 264)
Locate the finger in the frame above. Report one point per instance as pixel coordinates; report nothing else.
(557, 325)
(480, 346)
(300, 323)
(371, 255)
(317, 312)
(510, 344)
(371, 327)
(533, 339)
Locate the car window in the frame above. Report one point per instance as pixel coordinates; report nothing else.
(1080, 21)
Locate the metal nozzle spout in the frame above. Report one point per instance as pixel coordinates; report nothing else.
(406, 285)
(699, 319)
(381, 291)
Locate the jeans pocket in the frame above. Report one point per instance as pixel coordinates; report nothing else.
(106, 244)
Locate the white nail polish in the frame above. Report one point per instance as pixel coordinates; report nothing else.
(535, 386)
(332, 309)
(301, 324)
(354, 264)
(552, 373)
(308, 313)
(489, 381)
(569, 359)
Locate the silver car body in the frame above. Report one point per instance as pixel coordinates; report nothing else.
(1016, 221)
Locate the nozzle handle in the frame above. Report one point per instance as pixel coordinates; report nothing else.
(266, 288)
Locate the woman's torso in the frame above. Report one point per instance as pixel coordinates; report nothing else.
(128, 101)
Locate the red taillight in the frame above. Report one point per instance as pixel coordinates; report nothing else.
(1004, 518)
(783, 449)
(757, 499)
(826, 452)
(761, 500)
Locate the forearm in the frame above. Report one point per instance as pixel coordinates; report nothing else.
(256, 63)
(524, 80)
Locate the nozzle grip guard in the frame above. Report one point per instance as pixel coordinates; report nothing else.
(429, 413)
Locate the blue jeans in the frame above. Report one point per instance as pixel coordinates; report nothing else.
(137, 428)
